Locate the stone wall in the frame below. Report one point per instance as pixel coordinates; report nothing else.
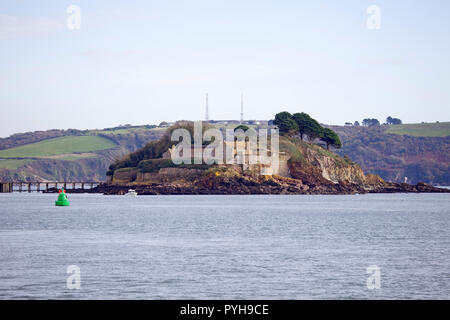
(168, 175)
(124, 176)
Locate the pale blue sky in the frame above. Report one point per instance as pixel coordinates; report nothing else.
(143, 62)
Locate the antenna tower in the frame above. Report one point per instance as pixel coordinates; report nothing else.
(207, 109)
(242, 107)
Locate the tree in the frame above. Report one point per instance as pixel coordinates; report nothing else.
(307, 126)
(330, 138)
(394, 121)
(285, 123)
(314, 130)
(356, 124)
(301, 119)
(370, 122)
(389, 120)
(242, 127)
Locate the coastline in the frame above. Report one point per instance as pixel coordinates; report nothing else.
(178, 189)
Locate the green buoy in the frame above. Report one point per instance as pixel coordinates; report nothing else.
(62, 199)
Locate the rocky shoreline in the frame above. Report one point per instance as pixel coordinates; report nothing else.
(246, 186)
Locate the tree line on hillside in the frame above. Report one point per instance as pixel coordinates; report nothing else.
(304, 126)
(370, 122)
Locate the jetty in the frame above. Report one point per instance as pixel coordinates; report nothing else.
(44, 186)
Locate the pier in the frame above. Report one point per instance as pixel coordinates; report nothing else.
(37, 186)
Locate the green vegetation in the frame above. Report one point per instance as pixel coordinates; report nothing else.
(151, 150)
(418, 152)
(301, 152)
(153, 165)
(73, 156)
(241, 127)
(303, 125)
(370, 122)
(286, 124)
(325, 152)
(307, 126)
(439, 129)
(116, 131)
(348, 160)
(330, 138)
(393, 121)
(230, 126)
(150, 157)
(13, 164)
(125, 130)
(62, 159)
(289, 147)
(154, 149)
(56, 146)
(126, 169)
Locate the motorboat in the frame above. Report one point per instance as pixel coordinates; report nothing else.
(131, 192)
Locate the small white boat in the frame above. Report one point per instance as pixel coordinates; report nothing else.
(131, 192)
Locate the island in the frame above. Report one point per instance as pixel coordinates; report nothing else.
(306, 165)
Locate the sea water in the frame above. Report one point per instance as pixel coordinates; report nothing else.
(225, 247)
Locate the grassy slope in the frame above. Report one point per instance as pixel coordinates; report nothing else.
(57, 146)
(441, 129)
(13, 164)
(74, 149)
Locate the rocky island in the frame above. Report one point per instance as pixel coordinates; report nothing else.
(304, 168)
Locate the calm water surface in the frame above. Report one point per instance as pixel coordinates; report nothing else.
(225, 247)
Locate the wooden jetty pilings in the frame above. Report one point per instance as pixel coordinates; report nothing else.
(27, 186)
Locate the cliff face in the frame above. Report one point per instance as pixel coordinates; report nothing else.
(318, 163)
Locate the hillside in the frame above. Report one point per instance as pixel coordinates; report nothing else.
(59, 147)
(304, 168)
(438, 129)
(68, 154)
(420, 152)
(417, 152)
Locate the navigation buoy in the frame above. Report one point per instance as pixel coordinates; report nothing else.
(62, 199)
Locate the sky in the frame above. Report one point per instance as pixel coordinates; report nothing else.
(143, 62)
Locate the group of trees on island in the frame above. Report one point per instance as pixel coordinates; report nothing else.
(304, 126)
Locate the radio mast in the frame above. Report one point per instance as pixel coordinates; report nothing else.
(242, 107)
(207, 109)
